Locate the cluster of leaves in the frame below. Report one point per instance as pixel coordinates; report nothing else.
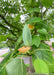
(11, 29)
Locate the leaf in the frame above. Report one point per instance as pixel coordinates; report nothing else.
(44, 55)
(44, 46)
(34, 10)
(6, 58)
(16, 67)
(46, 3)
(53, 44)
(3, 37)
(17, 17)
(27, 36)
(34, 20)
(3, 64)
(3, 71)
(51, 68)
(42, 24)
(36, 40)
(18, 42)
(41, 67)
(42, 31)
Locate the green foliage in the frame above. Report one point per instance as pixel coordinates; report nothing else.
(51, 68)
(12, 68)
(5, 54)
(34, 20)
(3, 71)
(46, 3)
(42, 31)
(44, 55)
(10, 18)
(6, 58)
(18, 42)
(3, 37)
(41, 67)
(27, 36)
(4, 63)
(44, 46)
(43, 52)
(53, 44)
(17, 17)
(36, 40)
(8, 7)
(3, 45)
(34, 10)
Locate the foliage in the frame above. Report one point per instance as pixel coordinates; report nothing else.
(36, 41)
(41, 67)
(16, 33)
(3, 45)
(53, 44)
(27, 36)
(20, 69)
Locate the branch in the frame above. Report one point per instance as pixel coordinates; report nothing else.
(11, 39)
(7, 29)
(45, 11)
(7, 22)
(48, 18)
(41, 10)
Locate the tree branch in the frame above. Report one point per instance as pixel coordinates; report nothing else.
(11, 39)
(41, 10)
(7, 29)
(7, 22)
(48, 18)
(45, 11)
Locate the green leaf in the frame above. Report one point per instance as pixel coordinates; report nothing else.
(34, 10)
(44, 55)
(18, 42)
(36, 40)
(3, 71)
(44, 46)
(42, 31)
(3, 64)
(51, 68)
(41, 67)
(53, 44)
(6, 58)
(46, 3)
(17, 17)
(16, 67)
(27, 36)
(3, 37)
(34, 20)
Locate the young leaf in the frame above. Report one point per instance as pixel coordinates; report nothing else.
(42, 31)
(16, 67)
(36, 40)
(34, 10)
(34, 20)
(41, 67)
(27, 36)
